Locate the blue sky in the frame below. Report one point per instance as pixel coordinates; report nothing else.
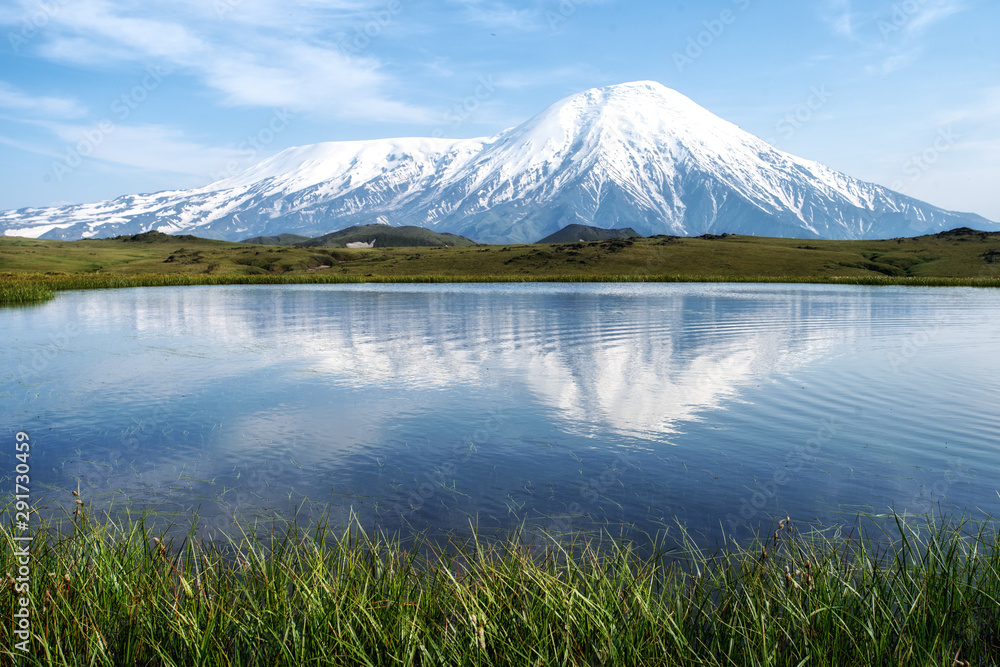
(100, 98)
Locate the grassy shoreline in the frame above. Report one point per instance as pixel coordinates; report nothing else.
(115, 592)
(32, 270)
(26, 289)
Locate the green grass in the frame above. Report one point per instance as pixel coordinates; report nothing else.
(18, 293)
(107, 592)
(33, 270)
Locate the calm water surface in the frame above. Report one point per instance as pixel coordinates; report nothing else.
(565, 407)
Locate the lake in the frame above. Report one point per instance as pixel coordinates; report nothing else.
(567, 408)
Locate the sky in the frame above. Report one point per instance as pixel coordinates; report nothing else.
(102, 98)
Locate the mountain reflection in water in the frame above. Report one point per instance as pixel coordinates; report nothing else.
(418, 407)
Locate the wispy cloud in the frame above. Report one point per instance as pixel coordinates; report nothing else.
(894, 62)
(506, 16)
(891, 37)
(28, 147)
(499, 15)
(838, 15)
(897, 21)
(985, 111)
(310, 79)
(151, 148)
(253, 55)
(928, 14)
(16, 99)
(902, 30)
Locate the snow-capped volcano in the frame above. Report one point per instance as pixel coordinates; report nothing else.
(634, 155)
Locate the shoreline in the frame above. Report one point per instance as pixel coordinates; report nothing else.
(28, 289)
(32, 270)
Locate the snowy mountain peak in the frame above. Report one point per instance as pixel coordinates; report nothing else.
(625, 112)
(634, 155)
(640, 100)
(641, 109)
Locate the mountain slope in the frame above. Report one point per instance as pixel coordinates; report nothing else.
(638, 155)
(577, 233)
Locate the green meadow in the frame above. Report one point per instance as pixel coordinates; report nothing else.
(32, 270)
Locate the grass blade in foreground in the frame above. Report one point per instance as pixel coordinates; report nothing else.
(108, 592)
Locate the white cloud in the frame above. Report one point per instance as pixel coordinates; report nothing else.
(147, 147)
(253, 53)
(930, 13)
(499, 15)
(27, 147)
(894, 62)
(840, 18)
(505, 16)
(48, 107)
(312, 79)
(891, 35)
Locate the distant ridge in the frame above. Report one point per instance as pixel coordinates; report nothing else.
(964, 233)
(156, 237)
(280, 239)
(385, 236)
(573, 233)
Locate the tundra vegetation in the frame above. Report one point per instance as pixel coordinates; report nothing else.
(33, 270)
